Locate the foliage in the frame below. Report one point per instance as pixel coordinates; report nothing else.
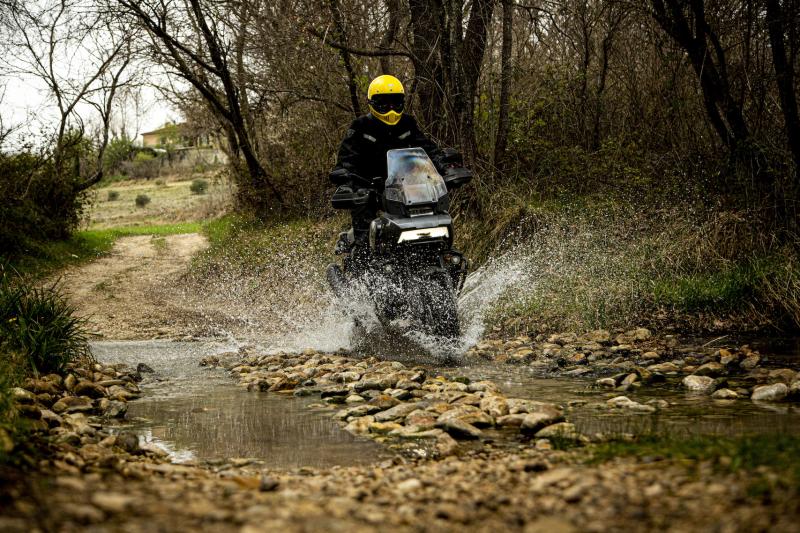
(113, 195)
(142, 200)
(117, 152)
(199, 186)
(36, 204)
(39, 323)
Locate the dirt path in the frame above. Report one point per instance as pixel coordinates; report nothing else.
(134, 292)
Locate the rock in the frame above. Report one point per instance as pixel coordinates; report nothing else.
(70, 381)
(446, 445)
(533, 422)
(87, 388)
(724, 394)
(23, 396)
(116, 392)
(629, 380)
(396, 412)
(650, 356)
(516, 405)
(268, 484)
(421, 419)
(354, 398)
(143, 368)
(600, 336)
(608, 383)
(623, 402)
(374, 383)
(550, 524)
(728, 358)
(467, 413)
(511, 420)
(384, 401)
(112, 502)
(562, 430)
(642, 334)
(783, 375)
(409, 485)
(702, 384)
(770, 393)
(359, 426)
(284, 384)
(794, 389)
(357, 411)
(459, 429)
(750, 362)
(52, 419)
(211, 360)
(664, 368)
(494, 406)
(711, 369)
(383, 428)
(332, 393)
(72, 404)
(41, 386)
(128, 441)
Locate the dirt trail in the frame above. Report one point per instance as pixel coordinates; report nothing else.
(134, 291)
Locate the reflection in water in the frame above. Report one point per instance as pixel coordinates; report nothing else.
(197, 413)
(687, 414)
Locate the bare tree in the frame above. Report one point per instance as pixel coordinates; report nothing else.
(194, 40)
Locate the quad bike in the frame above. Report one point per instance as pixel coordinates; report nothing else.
(407, 264)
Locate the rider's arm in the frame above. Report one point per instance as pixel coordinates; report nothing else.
(349, 156)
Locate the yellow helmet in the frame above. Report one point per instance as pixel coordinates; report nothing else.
(386, 98)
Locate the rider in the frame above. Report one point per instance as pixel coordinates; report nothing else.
(363, 150)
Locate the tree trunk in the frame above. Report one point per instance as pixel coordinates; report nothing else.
(505, 86)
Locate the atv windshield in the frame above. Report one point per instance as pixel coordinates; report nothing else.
(412, 178)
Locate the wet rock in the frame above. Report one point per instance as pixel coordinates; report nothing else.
(770, 393)
(112, 408)
(724, 394)
(143, 368)
(629, 380)
(533, 422)
(494, 406)
(383, 428)
(283, 385)
(794, 389)
(623, 402)
(459, 429)
(396, 412)
(41, 386)
(702, 384)
(608, 383)
(359, 426)
(711, 369)
(468, 414)
(600, 336)
(70, 381)
(357, 411)
(72, 404)
(211, 360)
(87, 388)
(334, 392)
(52, 419)
(354, 398)
(374, 383)
(29, 411)
(728, 358)
(516, 406)
(562, 430)
(121, 394)
(128, 441)
(268, 484)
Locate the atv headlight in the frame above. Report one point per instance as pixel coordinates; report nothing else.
(428, 233)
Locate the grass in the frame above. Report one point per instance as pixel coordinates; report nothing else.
(778, 452)
(88, 245)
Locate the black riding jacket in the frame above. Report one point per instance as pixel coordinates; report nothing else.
(363, 150)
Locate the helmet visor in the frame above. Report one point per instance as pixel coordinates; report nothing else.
(383, 103)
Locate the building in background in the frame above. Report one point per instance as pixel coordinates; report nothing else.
(185, 144)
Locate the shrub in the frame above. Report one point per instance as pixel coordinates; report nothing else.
(198, 186)
(142, 200)
(113, 195)
(160, 183)
(39, 324)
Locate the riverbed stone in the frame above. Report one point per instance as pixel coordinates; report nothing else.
(608, 383)
(783, 375)
(357, 411)
(87, 388)
(533, 422)
(397, 412)
(664, 368)
(770, 393)
(562, 430)
(22, 396)
(459, 429)
(725, 394)
(511, 420)
(703, 384)
(359, 426)
(494, 405)
(623, 402)
(468, 414)
(711, 369)
(73, 404)
(750, 362)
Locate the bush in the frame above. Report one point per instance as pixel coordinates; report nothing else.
(113, 195)
(142, 200)
(39, 324)
(198, 186)
(160, 183)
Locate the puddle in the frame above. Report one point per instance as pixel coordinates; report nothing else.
(688, 414)
(200, 414)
